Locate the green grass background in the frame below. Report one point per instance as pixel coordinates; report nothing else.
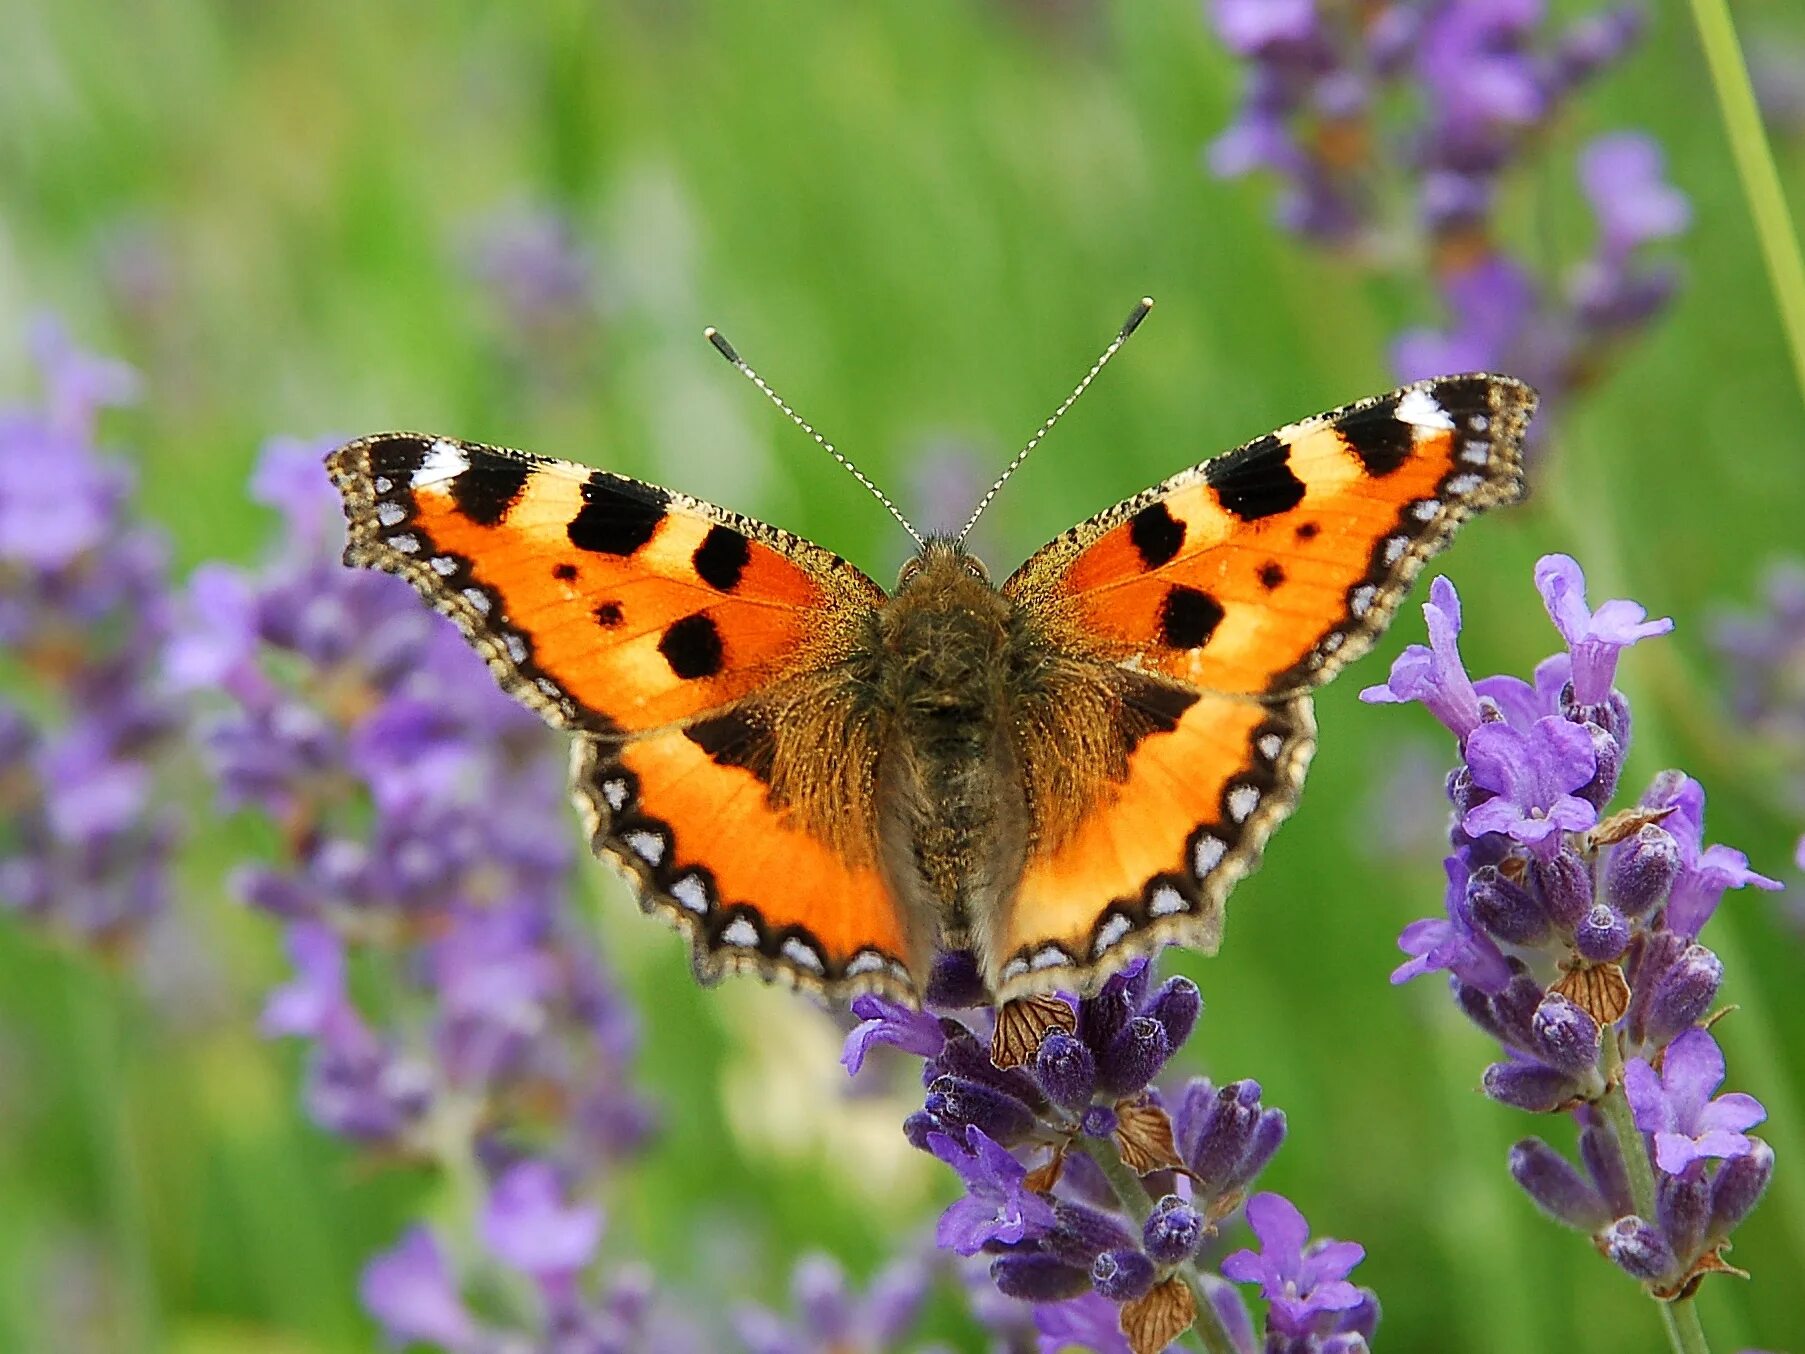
(920, 221)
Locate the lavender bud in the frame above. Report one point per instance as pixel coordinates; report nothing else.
(1227, 1133)
(1642, 870)
(1358, 1322)
(1529, 1086)
(1176, 1006)
(1463, 794)
(1173, 1231)
(1565, 884)
(1609, 754)
(1651, 954)
(1099, 1121)
(1682, 994)
(959, 1102)
(1737, 1188)
(917, 1127)
(1133, 1057)
(955, 981)
(1476, 1004)
(1505, 908)
(1566, 1037)
(1514, 1010)
(1122, 1275)
(1081, 1234)
(1603, 934)
(1102, 1017)
(1268, 1137)
(964, 1057)
(1638, 1248)
(1605, 1164)
(1066, 1070)
(1034, 1276)
(1684, 1208)
(1557, 1188)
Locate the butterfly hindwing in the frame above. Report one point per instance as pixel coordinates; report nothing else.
(1266, 570)
(695, 654)
(608, 605)
(1241, 584)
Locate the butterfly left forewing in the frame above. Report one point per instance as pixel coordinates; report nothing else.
(1241, 584)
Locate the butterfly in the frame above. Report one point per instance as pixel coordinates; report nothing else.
(826, 784)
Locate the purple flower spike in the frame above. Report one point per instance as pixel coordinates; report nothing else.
(1173, 1231)
(410, 1290)
(1558, 1189)
(1299, 1280)
(997, 1206)
(1533, 775)
(887, 1022)
(1452, 942)
(1622, 177)
(1705, 872)
(1122, 1275)
(1639, 1249)
(1595, 638)
(1435, 676)
(1675, 1105)
(527, 1225)
(1737, 1188)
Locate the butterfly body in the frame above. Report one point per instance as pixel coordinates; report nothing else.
(823, 783)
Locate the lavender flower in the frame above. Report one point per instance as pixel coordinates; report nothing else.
(1304, 1282)
(1570, 934)
(1488, 80)
(1763, 655)
(1091, 1191)
(831, 1319)
(84, 606)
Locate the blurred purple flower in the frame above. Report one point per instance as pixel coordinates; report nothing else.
(1674, 1106)
(528, 1226)
(411, 1291)
(831, 1319)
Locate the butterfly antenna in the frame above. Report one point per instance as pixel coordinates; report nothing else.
(1129, 325)
(726, 349)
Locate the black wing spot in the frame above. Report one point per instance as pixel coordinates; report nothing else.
(607, 615)
(692, 646)
(617, 516)
(1379, 438)
(1156, 534)
(722, 558)
(1188, 617)
(1272, 574)
(397, 458)
(1257, 480)
(488, 488)
(1308, 531)
(564, 573)
(735, 739)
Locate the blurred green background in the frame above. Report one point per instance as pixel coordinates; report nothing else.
(920, 221)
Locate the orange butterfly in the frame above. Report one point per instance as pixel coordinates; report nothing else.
(824, 784)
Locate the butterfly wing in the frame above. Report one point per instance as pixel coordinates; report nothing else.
(666, 633)
(1238, 586)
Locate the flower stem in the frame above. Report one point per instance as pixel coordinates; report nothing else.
(1755, 167)
(1684, 1331)
(1208, 1332)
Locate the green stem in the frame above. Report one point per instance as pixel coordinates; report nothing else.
(1755, 167)
(1208, 1333)
(1684, 1332)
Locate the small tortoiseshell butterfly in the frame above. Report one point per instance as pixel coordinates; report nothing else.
(823, 784)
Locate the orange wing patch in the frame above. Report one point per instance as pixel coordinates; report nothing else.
(1265, 570)
(1157, 854)
(608, 605)
(752, 890)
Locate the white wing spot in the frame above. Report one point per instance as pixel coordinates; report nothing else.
(1360, 600)
(1242, 800)
(1424, 509)
(1479, 423)
(1476, 452)
(741, 934)
(1049, 956)
(865, 961)
(1111, 933)
(1332, 641)
(383, 484)
(550, 688)
(691, 894)
(1462, 485)
(391, 514)
(1165, 901)
(1014, 969)
(1420, 407)
(615, 793)
(446, 461)
(803, 955)
(1270, 746)
(406, 542)
(479, 600)
(648, 846)
(1394, 548)
(517, 648)
(1207, 854)
(444, 565)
